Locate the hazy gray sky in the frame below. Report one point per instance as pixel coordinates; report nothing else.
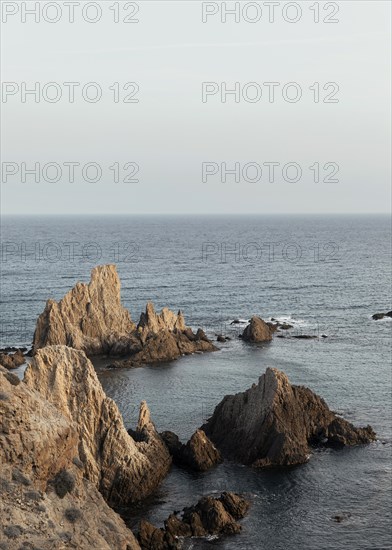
(171, 132)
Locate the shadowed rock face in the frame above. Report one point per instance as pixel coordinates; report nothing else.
(91, 318)
(198, 453)
(45, 501)
(210, 516)
(274, 423)
(124, 470)
(258, 331)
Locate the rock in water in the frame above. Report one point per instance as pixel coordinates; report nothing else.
(164, 337)
(258, 331)
(378, 316)
(124, 470)
(198, 453)
(210, 516)
(90, 317)
(45, 500)
(274, 424)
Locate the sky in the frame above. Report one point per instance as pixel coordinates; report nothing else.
(321, 144)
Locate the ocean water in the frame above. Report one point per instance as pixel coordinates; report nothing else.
(324, 274)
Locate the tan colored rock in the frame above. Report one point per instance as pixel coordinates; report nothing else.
(90, 317)
(12, 360)
(258, 331)
(38, 450)
(274, 423)
(152, 323)
(124, 470)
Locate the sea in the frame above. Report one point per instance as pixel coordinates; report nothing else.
(325, 275)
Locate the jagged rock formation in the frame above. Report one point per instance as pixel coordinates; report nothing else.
(258, 330)
(274, 424)
(91, 318)
(163, 337)
(45, 501)
(198, 453)
(124, 470)
(210, 516)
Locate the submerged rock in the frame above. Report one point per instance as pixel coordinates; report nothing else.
(199, 453)
(210, 516)
(275, 423)
(46, 502)
(124, 470)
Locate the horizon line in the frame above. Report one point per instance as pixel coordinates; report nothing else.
(105, 214)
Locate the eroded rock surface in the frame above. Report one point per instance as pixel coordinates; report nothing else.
(258, 330)
(199, 453)
(210, 516)
(163, 337)
(45, 501)
(124, 470)
(91, 318)
(275, 423)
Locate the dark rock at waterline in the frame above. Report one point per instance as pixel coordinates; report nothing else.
(275, 423)
(198, 454)
(284, 326)
(304, 336)
(221, 338)
(378, 316)
(258, 331)
(210, 516)
(235, 322)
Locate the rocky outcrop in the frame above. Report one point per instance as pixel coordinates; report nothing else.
(90, 317)
(275, 423)
(124, 470)
(45, 501)
(210, 516)
(198, 454)
(163, 337)
(258, 330)
(12, 360)
(378, 316)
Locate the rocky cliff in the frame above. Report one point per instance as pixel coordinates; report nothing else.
(124, 470)
(91, 318)
(45, 501)
(275, 423)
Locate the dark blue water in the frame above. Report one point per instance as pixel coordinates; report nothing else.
(326, 275)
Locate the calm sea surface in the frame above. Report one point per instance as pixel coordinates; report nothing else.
(325, 275)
